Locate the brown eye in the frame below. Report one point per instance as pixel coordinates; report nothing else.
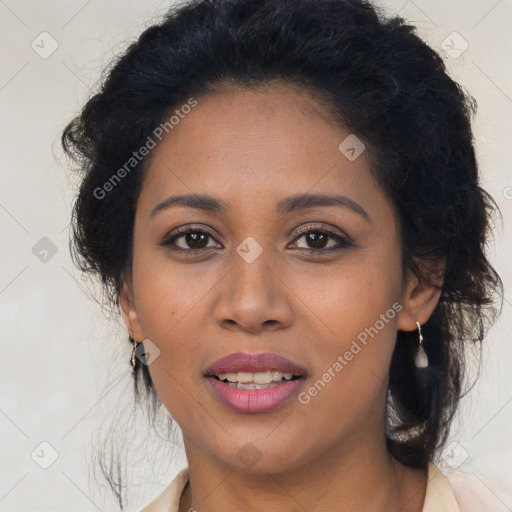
(317, 240)
(190, 240)
(196, 240)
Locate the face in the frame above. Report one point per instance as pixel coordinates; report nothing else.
(284, 286)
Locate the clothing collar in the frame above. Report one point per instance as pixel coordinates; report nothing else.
(439, 495)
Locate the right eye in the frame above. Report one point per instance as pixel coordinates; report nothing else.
(189, 239)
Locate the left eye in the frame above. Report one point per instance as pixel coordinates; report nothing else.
(317, 240)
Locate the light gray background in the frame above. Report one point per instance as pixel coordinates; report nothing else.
(63, 365)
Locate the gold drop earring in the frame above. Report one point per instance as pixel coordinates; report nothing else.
(135, 345)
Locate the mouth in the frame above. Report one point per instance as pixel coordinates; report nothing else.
(255, 383)
(255, 380)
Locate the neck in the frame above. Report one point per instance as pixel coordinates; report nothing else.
(362, 477)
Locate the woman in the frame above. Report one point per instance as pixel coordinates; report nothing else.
(282, 198)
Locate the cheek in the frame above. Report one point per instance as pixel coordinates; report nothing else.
(170, 300)
(168, 295)
(352, 299)
(355, 318)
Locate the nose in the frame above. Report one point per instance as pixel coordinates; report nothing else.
(253, 297)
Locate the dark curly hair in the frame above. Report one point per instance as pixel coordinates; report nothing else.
(383, 83)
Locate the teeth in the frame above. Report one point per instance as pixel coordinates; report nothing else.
(243, 376)
(262, 377)
(276, 375)
(251, 385)
(256, 377)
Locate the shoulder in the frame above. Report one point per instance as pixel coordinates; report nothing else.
(447, 491)
(462, 490)
(169, 499)
(476, 494)
(439, 494)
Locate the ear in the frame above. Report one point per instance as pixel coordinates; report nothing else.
(419, 301)
(128, 310)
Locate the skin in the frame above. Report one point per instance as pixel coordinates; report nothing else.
(251, 149)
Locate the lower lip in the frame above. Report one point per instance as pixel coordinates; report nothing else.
(255, 400)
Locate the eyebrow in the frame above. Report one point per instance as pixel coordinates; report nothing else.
(288, 204)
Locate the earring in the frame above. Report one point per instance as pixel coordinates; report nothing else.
(420, 359)
(135, 345)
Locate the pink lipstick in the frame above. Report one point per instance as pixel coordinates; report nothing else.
(255, 383)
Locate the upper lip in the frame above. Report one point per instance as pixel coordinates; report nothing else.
(245, 362)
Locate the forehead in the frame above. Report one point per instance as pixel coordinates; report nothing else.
(262, 143)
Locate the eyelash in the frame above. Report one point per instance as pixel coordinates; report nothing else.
(342, 241)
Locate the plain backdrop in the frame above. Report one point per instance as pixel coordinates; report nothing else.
(64, 365)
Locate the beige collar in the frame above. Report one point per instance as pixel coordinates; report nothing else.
(439, 495)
